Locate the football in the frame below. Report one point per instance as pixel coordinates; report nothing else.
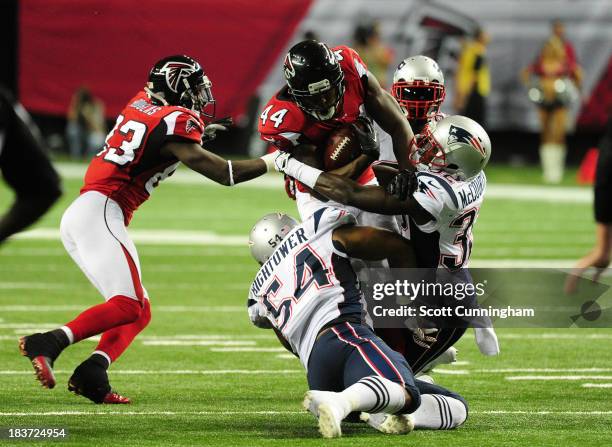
(341, 147)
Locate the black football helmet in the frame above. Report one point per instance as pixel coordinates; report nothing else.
(315, 79)
(180, 81)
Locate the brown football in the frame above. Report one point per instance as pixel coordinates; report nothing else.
(341, 148)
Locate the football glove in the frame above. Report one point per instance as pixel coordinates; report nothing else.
(423, 337)
(368, 139)
(210, 131)
(403, 185)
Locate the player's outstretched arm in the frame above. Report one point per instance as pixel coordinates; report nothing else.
(375, 244)
(381, 106)
(218, 169)
(368, 198)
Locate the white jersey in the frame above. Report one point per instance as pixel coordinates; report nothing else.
(307, 283)
(446, 241)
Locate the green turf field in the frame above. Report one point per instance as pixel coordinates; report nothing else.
(200, 374)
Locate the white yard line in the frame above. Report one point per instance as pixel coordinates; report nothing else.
(198, 343)
(597, 385)
(198, 372)
(154, 237)
(529, 193)
(80, 307)
(271, 413)
(249, 350)
(576, 377)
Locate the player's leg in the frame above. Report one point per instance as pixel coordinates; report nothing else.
(440, 409)
(28, 171)
(95, 235)
(375, 379)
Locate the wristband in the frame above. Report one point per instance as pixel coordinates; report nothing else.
(303, 173)
(268, 159)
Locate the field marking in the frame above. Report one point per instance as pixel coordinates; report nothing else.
(80, 307)
(198, 343)
(200, 372)
(238, 349)
(153, 237)
(272, 413)
(597, 385)
(554, 336)
(205, 285)
(559, 377)
(529, 193)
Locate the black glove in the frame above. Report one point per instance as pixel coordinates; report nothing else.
(368, 140)
(403, 184)
(211, 129)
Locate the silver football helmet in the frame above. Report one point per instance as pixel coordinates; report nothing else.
(268, 233)
(418, 87)
(455, 144)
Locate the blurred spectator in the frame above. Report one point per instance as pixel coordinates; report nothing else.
(553, 79)
(86, 129)
(25, 168)
(377, 56)
(599, 256)
(473, 80)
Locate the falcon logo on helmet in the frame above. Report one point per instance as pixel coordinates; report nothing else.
(288, 67)
(179, 80)
(175, 72)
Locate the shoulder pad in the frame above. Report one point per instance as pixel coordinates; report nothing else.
(436, 185)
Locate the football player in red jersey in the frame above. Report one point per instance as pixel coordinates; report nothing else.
(160, 127)
(328, 88)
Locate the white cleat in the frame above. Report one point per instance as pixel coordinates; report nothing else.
(392, 424)
(329, 408)
(425, 378)
(446, 358)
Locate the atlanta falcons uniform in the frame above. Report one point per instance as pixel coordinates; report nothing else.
(119, 179)
(285, 125)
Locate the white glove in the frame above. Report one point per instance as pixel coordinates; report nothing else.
(281, 161)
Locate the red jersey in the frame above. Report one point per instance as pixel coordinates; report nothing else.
(285, 125)
(131, 163)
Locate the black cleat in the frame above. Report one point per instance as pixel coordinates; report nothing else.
(90, 380)
(42, 350)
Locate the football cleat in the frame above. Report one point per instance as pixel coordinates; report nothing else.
(393, 424)
(90, 380)
(116, 398)
(41, 350)
(329, 408)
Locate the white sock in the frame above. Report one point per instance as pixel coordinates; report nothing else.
(375, 394)
(439, 412)
(68, 333)
(552, 157)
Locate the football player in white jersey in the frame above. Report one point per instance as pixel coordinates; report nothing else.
(307, 291)
(418, 88)
(441, 200)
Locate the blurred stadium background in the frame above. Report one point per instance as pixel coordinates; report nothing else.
(200, 353)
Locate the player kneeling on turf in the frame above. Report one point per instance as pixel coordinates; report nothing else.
(307, 291)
